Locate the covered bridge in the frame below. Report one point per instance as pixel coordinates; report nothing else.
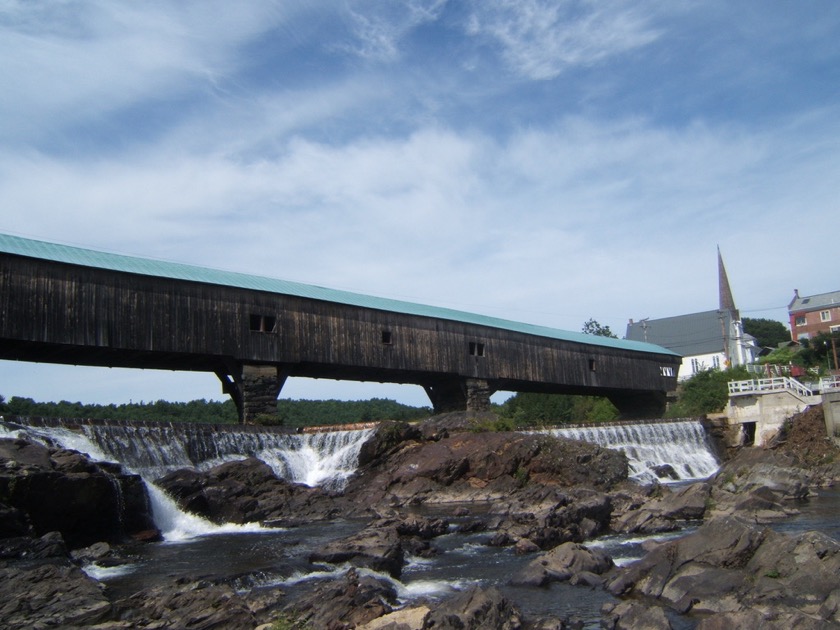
(61, 304)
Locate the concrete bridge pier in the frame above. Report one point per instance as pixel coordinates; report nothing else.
(831, 410)
(459, 394)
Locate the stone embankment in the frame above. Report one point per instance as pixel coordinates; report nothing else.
(544, 497)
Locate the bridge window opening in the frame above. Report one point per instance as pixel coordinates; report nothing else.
(387, 338)
(591, 365)
(749, 433)
(263, 323)
(476, 349)
(666, 370)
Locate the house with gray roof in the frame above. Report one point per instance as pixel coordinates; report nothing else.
(811, 315)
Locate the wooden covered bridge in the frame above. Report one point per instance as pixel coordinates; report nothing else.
(61, 304)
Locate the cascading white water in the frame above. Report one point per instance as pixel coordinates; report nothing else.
(682, 445)
(313, 459)
(318, 459)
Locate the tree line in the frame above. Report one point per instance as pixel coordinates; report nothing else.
(291, 413)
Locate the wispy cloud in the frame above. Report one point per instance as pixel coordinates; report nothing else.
(378, 28)
(541, 38)
(73, 61)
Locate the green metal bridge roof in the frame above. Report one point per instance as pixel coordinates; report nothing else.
(130, 264)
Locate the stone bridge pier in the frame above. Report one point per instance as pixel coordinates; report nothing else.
(254, 389)
(459, 394)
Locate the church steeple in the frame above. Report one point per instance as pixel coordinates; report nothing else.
(727, 302)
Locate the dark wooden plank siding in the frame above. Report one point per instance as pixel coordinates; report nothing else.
(111, 318)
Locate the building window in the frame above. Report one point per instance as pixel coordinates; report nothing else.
(476, 349)
(696, 366)
(716, 362)
(834, 329)
(386, 337)
(800, 320)
(263, 323)
(825, 316)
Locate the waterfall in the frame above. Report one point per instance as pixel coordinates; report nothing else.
(313, 459)
(650, 447)
(324, 459)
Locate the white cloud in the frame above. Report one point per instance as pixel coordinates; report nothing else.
(393, 172)
(587, 219)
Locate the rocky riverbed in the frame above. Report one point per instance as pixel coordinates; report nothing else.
(547, 500)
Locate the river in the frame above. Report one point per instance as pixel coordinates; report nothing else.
(252, 557)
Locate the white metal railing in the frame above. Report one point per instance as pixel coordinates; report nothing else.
(765, 385)
(829, 383)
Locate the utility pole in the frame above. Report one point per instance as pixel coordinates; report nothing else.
(834, 350)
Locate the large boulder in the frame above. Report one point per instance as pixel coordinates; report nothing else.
(186, 604)
(730, 565)
(476, 608)
(352, 601)
(45, 489)
(376, 547)
(547, 516)
(469, 466)
(631, 615)
(666, 512)
(764, 484)
(244, 491)
(567, 562)
(752, 469)
(40, 587)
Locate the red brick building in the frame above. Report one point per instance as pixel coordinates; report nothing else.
(814, 314)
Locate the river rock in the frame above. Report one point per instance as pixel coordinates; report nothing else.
(245, 491)
(763, 484)
(769, 620)
(665, 513)
(569, 561)
(376, 547)
(548, 516)
(475, 609)
(631, 615)
(52, 593)
(198, 604)
(405, 619)
(730, 565)
(54, 489)
(469, 467)
(756, 468)
(349, 602)
(389, 436)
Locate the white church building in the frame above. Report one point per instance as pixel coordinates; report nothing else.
(712, 339)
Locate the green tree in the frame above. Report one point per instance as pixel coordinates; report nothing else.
(706, 392)
(822, 350)
(592, 327)
(768, 332)
(530, 409)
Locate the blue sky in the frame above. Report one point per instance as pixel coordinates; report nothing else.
(546, 162)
